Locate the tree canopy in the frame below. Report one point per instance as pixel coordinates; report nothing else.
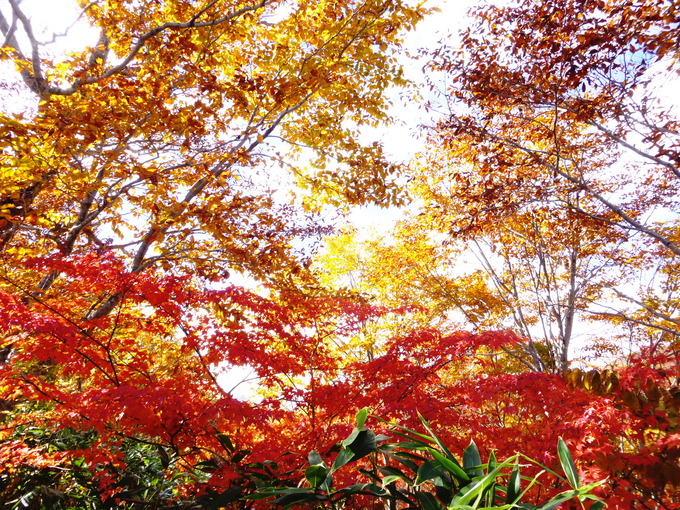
(171, 202)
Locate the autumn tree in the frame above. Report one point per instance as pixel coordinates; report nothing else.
(552, 173)
(547, 270)
(143, 173)
(190, 146)
(558, 157)
(526, 184)
(560, 101)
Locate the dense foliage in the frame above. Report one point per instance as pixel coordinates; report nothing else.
(167, 196)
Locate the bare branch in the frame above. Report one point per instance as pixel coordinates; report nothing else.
(583, 184)
(34, 80)
(666, 164)
(9, 31)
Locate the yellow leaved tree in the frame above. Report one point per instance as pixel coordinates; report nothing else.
(187, 144)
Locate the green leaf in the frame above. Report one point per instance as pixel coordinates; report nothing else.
(467, 494)
(428, 501)
(207, 466)
(370, 489)
(294, 499)
(412, 445)
(568, 464)
(492, 462)
(316, 475)
(217, 500)
(412, 435)
(409, 455)
(362, 444)
(361, 417)
(581, 493)
(390, 479)
(370, 475)
(343, 458)
(451, 466)
(352, 436)
(514, 485)
(555, 502)
(257, 496)
(285, 495)
(491, 466)
(414, 439)
(479, 487)
(240, 455)
(226, 443)
(407, 459)
(441, 445)
(165, 458)
(429, 470)
(327, 485)
(393, 471)
(472, 461)
(315, 459)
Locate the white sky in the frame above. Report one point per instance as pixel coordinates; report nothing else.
(402, 142)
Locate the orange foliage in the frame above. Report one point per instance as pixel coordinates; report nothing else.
(148, 174)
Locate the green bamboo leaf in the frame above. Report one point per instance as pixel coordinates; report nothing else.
(165, 458)
(491, 466)
(316, 475)
(393, 471)
(257, 496)
(479, 487)
(352, 436)
(315, 459)
(285, 496)
(409, 455)
(407, 459)
(361, 417)
(473, 491)
(514, 485)
(207, 466)
(370, 475)
(369, 489)
(438, 442)
(390, 479)
(568, 464)
(428, 471)
(414, 436)
(451, 466)
(327, 485)
(343, 458)
(226, 442)
(240, 455)
(555, 502)
(363, 443)
(428, 501)
(492, 462)
(295, 499)
(581, 493)
(413, 445)
(472, 461)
